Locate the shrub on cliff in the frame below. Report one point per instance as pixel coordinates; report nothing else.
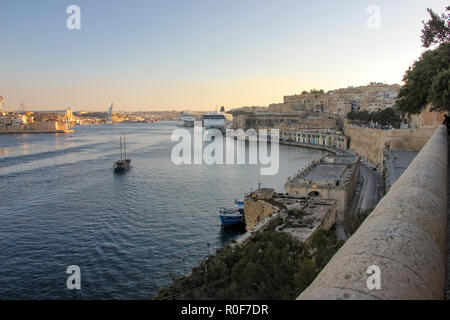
(271, 265)
(324, 244)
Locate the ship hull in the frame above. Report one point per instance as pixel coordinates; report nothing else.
(188, 123)
(213, 123)
(228, 221)
(122, 166)
(188, 120)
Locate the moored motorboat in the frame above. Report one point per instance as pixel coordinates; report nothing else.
(231, 217)
(239, 204)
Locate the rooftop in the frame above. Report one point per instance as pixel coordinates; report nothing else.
(326, 172)
(328, 169)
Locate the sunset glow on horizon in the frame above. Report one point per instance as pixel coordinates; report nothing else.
(200, 55)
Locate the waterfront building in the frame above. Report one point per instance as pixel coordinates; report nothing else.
(330, 138)
(20, 123)
(332, 177)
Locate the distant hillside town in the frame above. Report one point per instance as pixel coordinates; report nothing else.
(373, 97)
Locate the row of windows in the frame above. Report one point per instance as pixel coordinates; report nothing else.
(300, 136)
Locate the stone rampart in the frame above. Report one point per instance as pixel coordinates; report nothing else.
(371, 143)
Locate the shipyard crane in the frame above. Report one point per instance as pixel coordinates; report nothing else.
(109, 114)
(23, 109)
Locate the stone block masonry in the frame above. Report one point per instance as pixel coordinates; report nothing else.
(370, 144)
(301, 216)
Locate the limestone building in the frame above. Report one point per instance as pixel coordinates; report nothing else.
(332, 177)
(302, 216)
(330, 138)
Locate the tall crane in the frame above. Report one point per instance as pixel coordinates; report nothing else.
(109, 114)
(22, 108)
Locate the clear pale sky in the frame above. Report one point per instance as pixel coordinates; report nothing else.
(199, 54)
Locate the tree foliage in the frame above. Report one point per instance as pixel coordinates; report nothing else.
(427, 81)
(384, 117)
(419, 79)
(440, 90)
(437, 29)
(272, 265)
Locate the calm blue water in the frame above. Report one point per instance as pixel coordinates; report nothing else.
(61, 204)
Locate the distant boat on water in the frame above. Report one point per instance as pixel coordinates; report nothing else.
(124, 163)
(188, 119)
(214, 120)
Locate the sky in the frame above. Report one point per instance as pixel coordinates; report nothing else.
(200, 54)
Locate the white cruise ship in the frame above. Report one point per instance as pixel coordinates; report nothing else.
(214, 120)
(188, 119)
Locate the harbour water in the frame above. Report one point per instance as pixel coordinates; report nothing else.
(61, 205)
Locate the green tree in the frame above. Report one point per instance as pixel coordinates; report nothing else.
(437, 29)
(427, 81)
(416, 93)
(440, 90)
(315, 91)
(308, 271)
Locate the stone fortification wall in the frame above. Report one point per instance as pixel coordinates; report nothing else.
(371, 143)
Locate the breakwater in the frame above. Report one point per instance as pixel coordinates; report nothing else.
(404, 237)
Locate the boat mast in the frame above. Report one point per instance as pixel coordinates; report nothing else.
(120, 147)
(125, 147)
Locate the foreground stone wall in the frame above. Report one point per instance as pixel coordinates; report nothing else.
(371, 143)
(404, 236)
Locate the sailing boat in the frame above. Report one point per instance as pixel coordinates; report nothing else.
(124, 163)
